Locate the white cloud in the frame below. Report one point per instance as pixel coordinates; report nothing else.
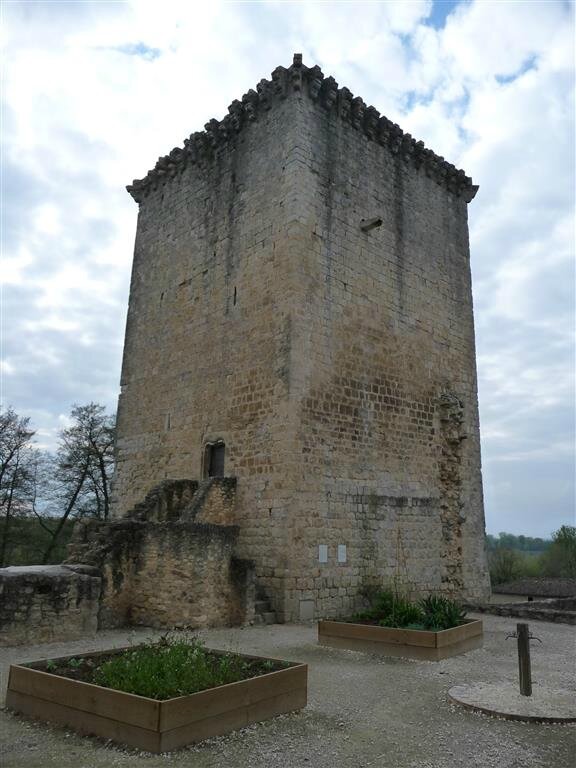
(495, 38)
(95, 92)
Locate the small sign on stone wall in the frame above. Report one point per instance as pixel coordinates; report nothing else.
(342, 553)
(323, 553)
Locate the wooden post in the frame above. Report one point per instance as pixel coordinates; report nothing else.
(524, 671)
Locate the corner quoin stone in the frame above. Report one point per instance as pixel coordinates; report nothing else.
(301, 292)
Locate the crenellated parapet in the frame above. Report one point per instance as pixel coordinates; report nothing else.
(202, 146)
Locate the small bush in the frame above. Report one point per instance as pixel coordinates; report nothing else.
(402, 612)
(559, 560)
(505, 565)
(510, 564)
(392, 610)
(441, 613)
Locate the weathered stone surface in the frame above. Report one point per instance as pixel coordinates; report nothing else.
(336, 361)
(47, 603)
(170, 562)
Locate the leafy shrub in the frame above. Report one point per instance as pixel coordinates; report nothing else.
(435, 612)
(390, 609)
(505, 565)
(402, 613)
(509, 564)
(559, 560)
(440, 612)
(384, 602)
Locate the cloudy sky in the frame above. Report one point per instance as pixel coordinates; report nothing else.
(94, 92)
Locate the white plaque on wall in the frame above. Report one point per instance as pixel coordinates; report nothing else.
(322, 553)
(341, 553)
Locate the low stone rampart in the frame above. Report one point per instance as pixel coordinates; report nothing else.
(48, 603)
(561, 611)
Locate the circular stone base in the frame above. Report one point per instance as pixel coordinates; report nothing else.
(546, 705)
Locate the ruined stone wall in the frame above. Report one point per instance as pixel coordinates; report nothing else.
(175, 575)
(171, 560)
(47, 603)
(336, 362)
(214, 503)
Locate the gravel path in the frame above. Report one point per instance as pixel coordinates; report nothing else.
(363, 710)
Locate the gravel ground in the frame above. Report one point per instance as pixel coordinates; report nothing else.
(363, 710)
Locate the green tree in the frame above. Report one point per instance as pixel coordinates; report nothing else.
(505, 565)
(559, 560)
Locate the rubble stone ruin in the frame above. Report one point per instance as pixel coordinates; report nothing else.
(299, 398)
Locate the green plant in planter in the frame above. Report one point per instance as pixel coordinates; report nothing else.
(177, 665)
(454, 614)
(439, 612)
(402, 612)
(390, 609)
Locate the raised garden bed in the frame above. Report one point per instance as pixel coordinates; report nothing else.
(409, 643)
(153, 724)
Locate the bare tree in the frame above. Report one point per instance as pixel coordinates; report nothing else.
(84, 465)
(16, 453)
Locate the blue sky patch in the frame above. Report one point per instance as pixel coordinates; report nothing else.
(527, 65)
(441, 9)
(139, 49)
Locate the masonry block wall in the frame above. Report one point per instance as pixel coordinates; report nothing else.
(301, 292)
(208, 350)
(169, 562)
(174, 575)
(48, 603)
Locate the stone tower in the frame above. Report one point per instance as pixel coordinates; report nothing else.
(300, 318)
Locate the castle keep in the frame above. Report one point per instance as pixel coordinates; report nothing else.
(300, 319)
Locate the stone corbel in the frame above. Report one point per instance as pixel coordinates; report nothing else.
(358, 108)
(329, 92)
(344, 103)
(315, 78)
(296, 72)
(236, 112)
(469, 192)
(280, 81)
(250, 104)
(371, 118)
(263, 89)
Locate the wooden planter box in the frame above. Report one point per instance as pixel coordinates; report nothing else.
(409, 643)
(148, 724)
